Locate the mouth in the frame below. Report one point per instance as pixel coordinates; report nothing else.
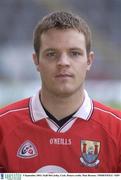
(63, 76)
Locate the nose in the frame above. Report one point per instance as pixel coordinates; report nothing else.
(63, 60)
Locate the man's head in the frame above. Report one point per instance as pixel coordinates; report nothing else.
(61, 20)
(62, 55)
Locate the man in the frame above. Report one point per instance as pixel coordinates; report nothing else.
(61, 129)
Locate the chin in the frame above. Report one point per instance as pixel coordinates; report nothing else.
(64, 92)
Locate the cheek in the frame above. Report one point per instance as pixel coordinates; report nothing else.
(45, 71)
(81, 73)
(81, 68)
(43, 67)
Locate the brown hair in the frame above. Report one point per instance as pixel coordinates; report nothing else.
(61, 20)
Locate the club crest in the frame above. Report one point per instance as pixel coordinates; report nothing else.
(27, 150)
(90, 151)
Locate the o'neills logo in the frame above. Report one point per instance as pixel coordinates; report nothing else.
(60, 141)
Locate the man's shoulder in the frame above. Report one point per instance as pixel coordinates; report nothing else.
(108, 119)
(12, 116)
(106, 109)
(107, 112)
(15, 107)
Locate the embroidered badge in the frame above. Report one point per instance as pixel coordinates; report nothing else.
(27, 150)
(90, 151)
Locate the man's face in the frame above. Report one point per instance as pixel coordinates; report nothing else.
(63, 61)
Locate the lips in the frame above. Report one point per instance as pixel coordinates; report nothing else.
(64, 76)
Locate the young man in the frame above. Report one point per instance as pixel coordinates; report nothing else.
(61, 129)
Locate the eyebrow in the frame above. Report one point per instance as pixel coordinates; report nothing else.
(77, 49)
(49, 49)
(55, 49)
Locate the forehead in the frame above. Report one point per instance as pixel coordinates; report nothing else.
(56, 38)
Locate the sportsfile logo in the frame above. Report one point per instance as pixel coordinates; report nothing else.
(12, 176)
(1, 176)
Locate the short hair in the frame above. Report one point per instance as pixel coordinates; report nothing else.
(61, 20)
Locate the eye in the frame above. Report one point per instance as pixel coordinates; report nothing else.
(51, 54)
(76, 53)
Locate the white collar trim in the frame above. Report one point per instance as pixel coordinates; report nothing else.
(38, 113)
(86, 109)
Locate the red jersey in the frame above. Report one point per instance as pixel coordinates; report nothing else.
(89, 142)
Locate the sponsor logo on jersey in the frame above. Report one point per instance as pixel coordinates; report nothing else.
(27, 150)
(90, 151)
(51, 169)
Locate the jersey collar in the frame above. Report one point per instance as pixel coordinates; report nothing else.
(38, 113)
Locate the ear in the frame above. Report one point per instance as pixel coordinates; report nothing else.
(36, 61)
(90, 58)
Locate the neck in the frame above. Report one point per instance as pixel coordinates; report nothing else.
(61, 107)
